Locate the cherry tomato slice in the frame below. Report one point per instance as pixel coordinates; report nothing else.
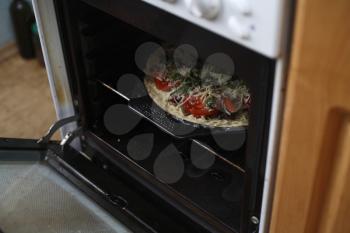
(203, 112)
(163, 85)
(186, 107)
(247, 102)
(196, 107)
(229, 105)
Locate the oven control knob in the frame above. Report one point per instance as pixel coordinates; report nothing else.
(208, 9)
(240, 29)
(242, 6)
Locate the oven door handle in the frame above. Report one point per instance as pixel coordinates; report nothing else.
(56, 126)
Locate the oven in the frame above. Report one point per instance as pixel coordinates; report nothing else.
(169, 110)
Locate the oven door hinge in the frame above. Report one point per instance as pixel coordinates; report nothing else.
(69, 137)
(56, 126)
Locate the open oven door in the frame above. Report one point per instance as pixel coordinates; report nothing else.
(35, 196)
(48, 186)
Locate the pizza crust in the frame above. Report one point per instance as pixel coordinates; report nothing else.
(161, 99)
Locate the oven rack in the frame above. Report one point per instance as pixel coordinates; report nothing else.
(181, 129)
(177, 129)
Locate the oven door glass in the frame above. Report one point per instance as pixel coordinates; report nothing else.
(34, 198)
(186, 107)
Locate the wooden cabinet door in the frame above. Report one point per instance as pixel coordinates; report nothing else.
(312, 193)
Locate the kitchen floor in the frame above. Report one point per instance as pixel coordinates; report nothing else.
(26, 109)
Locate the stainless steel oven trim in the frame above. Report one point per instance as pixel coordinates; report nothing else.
(276, 119)
(54, 61)
(273, 145)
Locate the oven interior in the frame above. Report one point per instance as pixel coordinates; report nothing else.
(212, 175)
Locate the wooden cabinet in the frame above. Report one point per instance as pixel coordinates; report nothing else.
(312, 192)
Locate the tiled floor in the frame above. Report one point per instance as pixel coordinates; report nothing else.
(26, 109)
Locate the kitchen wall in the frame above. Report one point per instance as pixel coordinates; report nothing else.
(6, 31)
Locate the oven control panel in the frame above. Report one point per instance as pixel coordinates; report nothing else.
(255, 24)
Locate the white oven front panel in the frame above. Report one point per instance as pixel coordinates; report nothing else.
(255, 24)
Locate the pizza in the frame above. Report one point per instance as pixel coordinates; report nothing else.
(207, 98)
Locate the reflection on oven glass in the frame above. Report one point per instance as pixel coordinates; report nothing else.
(169, 166)
(150, 57)
(194, 172)
(217, 70)
(119, 120)
(202, 156)
(140, 146)
(231, 140)
(131, 86)
(185, 58)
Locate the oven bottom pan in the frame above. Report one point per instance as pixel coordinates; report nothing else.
(34, 198)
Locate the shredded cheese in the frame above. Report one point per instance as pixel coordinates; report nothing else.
(161, 98)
